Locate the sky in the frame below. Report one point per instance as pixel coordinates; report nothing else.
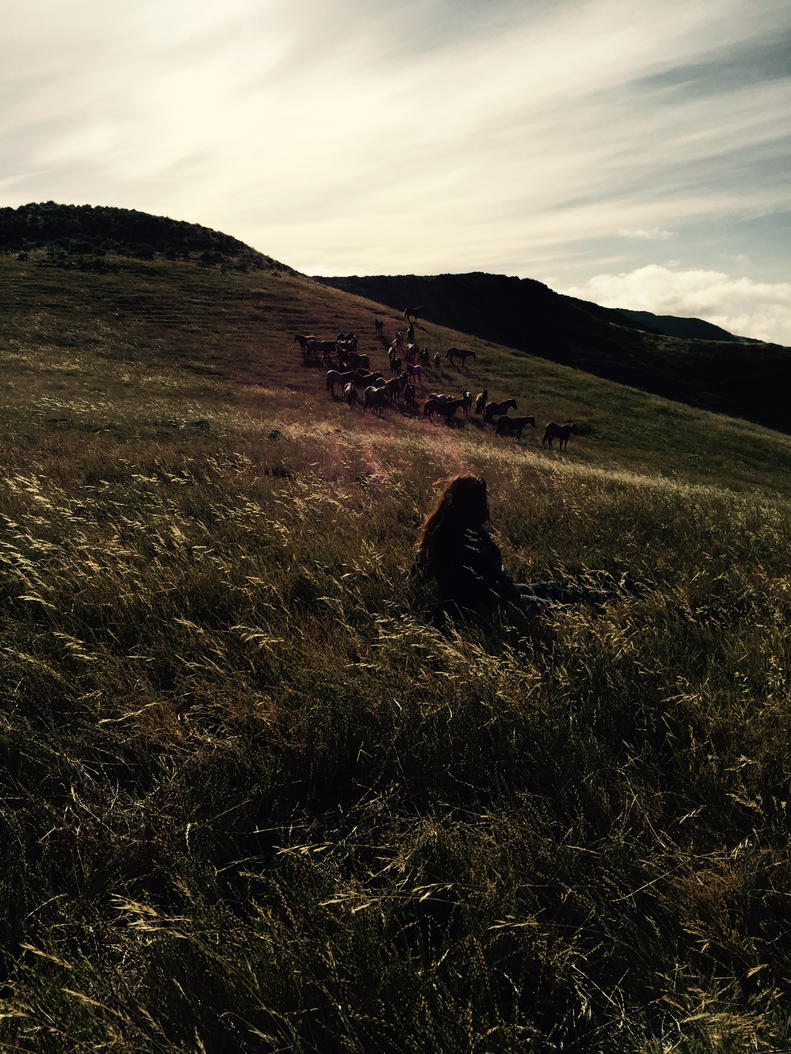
(632, 153)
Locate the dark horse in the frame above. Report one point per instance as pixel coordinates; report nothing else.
(445, 408)
(413, 313)
(459, 353)
(513, 426)
(559, 432)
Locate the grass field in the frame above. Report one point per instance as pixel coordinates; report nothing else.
(251, 800)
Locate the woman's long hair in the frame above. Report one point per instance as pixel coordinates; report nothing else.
(462, 503)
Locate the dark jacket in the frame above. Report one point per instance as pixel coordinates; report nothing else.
(467, 567)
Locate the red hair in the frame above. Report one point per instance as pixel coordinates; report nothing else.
(461, 504)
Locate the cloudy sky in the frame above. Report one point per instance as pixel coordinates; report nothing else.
(634, 152)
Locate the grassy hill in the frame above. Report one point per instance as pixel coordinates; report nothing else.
(252, 800)
(92, 238)
(745, 379)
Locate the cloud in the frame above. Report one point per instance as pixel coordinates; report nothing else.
(402, 136)
(740, 305)
(652, 234)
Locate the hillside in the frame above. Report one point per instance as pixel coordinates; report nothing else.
(92, 238)
(742, 379)
(252, 799)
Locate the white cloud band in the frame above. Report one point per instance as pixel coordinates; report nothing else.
(740, 305)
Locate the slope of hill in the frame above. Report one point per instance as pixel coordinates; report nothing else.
(251, 799)
(744, 379)
(89, 237)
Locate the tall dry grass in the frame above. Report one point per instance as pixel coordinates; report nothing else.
(253, 800)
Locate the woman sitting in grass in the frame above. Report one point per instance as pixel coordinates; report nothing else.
(458, 553)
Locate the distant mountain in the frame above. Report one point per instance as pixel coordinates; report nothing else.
(85, 235)
(669, 325)
(747, 379)
(676, 326)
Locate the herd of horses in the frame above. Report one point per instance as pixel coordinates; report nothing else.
(360, 385)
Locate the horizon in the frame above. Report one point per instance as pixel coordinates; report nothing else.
(636, 160)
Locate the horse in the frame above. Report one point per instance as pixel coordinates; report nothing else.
(357, 362)
(413, 312)
(467, 397)
(350, 394)
(346, 345)
(437, 360)
(444, 407)
(321, 348)
(303, 338)
(410, 333)
(481, 400)
(559, 432)
(409, 395)
(513, 425)
(394, 387)
(379, 327)
(459, 353)
(336, 377)
(374, 398)
(495, 409)
(422, 356)
(414, 372)
(395, 366)
(362, 379)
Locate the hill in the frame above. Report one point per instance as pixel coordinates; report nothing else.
(743, 379)
(93, 237)
(673, 326)
(252, 799)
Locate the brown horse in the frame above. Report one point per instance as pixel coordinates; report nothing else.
(362, 379)
(304, 339)
(512, 426)
(459, 353)
(321, 349)
(356, 361)
(335, 377)
(559, 432)
(374, 398)
(492, 410)
(395, 386)
(445, 408)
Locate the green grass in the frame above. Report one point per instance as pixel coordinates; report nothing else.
(252, 801)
